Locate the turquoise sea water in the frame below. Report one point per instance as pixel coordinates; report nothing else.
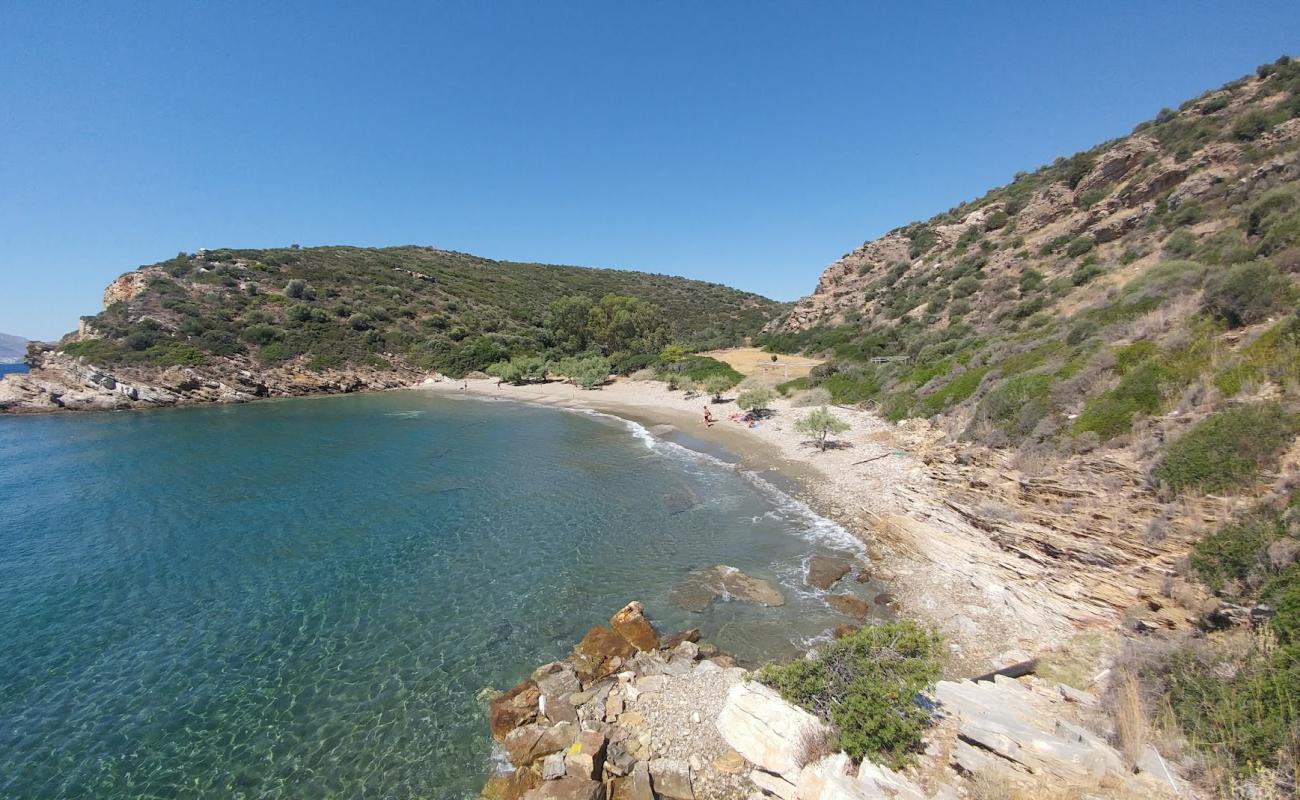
(303, 598)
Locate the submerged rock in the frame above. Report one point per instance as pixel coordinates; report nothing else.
(703, 586)
(848, 604)
(824, 571)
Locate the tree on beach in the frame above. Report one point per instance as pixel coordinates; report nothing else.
(820, 423)
(716, 385)
(755, 399)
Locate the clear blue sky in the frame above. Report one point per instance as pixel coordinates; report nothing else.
(748, 143)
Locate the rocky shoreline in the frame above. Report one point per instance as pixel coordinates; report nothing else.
(57, 381)
(633, 715)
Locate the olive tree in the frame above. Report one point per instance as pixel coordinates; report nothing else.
(755, 399)
(820, 423)
(716, 385)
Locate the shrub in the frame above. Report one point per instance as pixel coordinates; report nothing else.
(298, 290)
(716, 384)
(1228, 449)
(1235, 556)
(796, 385)
(996, 221)
(756, 399)
(816, 396)
(1251, 126)
(866, 686)
(1180, 244)
(1091, 197)
(1085, 272)
(261, 334)
(819, 424)
(1247, 293)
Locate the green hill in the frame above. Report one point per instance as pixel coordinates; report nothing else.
(330, 307)
(1111, 298)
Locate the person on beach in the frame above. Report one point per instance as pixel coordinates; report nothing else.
(708, 418)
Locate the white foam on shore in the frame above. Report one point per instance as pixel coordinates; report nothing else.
(794, 512)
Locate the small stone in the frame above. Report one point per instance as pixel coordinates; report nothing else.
(553, 767)
(613, 706)
(695, 717)
(692, 635)
(729, 763)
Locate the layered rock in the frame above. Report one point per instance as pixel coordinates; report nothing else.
(59, 381)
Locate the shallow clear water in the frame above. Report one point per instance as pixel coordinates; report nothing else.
(302, 598)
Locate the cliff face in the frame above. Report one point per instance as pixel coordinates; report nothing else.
(1140, 182)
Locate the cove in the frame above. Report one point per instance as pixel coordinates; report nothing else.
(305, 598)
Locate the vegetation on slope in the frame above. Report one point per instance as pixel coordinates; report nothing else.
(865, 685)
(330, 307)
(1110, 296)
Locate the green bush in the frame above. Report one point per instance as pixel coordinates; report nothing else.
(1247, 293)
(1180, 244)
(1079, 246)
(701, 368)
(1016, 406)
(820, 423)
(997, 220)
(756, 399)
(790, 387)
(866, 686)
(1235, 556)
(1227, 450)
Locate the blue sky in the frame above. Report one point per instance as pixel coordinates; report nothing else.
(748, 143)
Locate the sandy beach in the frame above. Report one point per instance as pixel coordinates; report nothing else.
(873, 480)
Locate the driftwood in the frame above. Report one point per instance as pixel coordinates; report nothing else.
(1013, 671)
(873, 458)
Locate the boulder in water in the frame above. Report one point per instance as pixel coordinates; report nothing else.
(703, 586)
(824, 571)
(848, 604)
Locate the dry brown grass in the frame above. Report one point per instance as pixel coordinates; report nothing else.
(751, 361)
(1131, 726)
(813, 745)
(992, 784)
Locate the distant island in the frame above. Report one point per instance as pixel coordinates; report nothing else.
(12, 348)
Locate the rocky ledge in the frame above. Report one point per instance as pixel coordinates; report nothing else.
(61, 382)
(633, 716)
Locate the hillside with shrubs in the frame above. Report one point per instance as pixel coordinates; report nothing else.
(330, 308)
(1123, 323)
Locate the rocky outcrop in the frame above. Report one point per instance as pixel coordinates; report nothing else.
(127, 287)
(631, 624)
(770, 733)
(1031, 732)
(616, 721)
(59, 381)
